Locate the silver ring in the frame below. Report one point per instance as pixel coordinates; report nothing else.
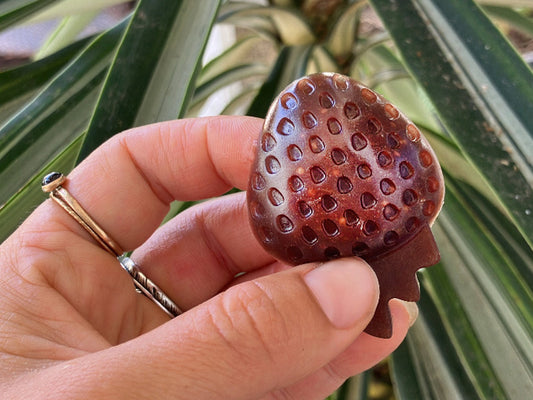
(52, 184)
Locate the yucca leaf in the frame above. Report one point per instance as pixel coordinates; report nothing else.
(59, 113)
(66, 33)
(291, 64)
(65, 8)
(232, 57)
(505, 236)
(11, 107)
(227, 77)
(291, 28)
(165, 66)
(30, 195)
(18, 81)
(444, 351)
(515, 19)
(403, 374)
(240, 13)
(341, 40)
(507, 3)
(511, 295)
(323, 61)
(480, 87)
(356, 388)
(415, 104)
(494, 309)
(13, 11)
(241, 102)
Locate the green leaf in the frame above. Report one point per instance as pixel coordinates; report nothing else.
(241, 102)
(454, 163)
(227, 77)
(356, 388)
(18, 81)
(505, 236)
(291, 64)
(234, 56)
(241, 14)
(13, 11)
(165, 66)
(323, 61)
(497, 264)
(493, 296)
(448, 361)
(65, 34)
(55, 117)
(65, 8)
(515, 19)
(342, 39)
(403, 373)
(480, 87)
(30, 195)
(290, 26)
(507, 3)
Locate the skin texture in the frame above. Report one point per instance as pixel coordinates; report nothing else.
(72, 326)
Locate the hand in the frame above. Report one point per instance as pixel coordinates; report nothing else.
(72, 325)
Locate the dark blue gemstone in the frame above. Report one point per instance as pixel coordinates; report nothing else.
(51, 177)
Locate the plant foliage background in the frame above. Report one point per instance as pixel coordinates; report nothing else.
(448, 65)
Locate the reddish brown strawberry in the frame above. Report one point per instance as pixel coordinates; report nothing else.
(341, 172)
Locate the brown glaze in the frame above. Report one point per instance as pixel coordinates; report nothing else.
(341, 172)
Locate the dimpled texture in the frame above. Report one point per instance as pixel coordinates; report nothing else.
(340, 171)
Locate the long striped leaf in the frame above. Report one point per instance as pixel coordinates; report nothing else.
(36, 134)
(14, 83)
(291, 64)
(13, 11)
(153, 74)
(481, 88)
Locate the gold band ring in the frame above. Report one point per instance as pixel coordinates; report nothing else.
(52, 184)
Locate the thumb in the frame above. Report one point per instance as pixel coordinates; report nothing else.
(255, 337)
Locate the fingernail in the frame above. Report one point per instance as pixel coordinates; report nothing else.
(412, 310)
(346, 289)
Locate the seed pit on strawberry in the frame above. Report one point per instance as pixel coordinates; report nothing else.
(364, 171)
(359, 141)
(316, 144)
(338, 156)
(309, 235)
(384, 159)
(340, 171)
(351, 217)
(387, 186)
(326, 101)
(351, 110)
(344, 185)
(294, 153)
(334, 126)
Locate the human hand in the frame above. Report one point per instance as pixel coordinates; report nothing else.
(72, 325)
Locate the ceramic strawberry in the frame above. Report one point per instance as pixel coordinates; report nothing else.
(342, 172)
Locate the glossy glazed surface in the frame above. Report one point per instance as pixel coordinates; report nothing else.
(339, 172)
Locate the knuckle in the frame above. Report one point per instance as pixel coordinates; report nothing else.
(333, 374)
(252, 322)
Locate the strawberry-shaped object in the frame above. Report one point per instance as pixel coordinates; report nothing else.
(339, 172)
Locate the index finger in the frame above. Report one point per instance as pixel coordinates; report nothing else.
(127, 184)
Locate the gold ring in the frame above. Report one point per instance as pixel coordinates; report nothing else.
(52, 184)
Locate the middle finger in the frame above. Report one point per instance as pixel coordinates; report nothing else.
(200, 251)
